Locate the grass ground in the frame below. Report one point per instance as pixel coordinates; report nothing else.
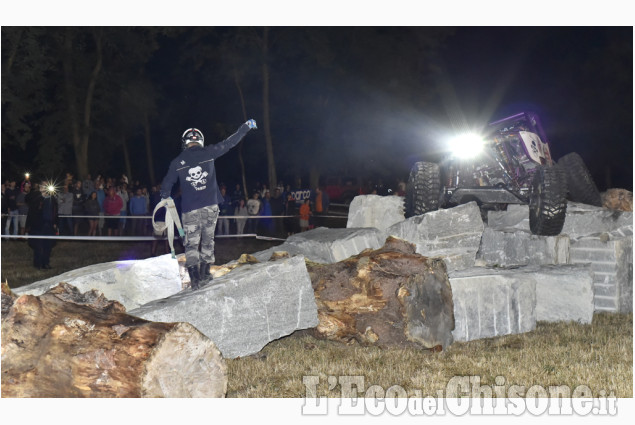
(599, 355)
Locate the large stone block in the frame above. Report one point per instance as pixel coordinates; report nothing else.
(376, 211)
(453, 234)
(563, 293)
(492, 302)
(245, 309)
(132, 283)
(581, 220)
(455, 258)
(586, 220)
(323, 245)
(515, 217)
(510, 247)
(611, 260)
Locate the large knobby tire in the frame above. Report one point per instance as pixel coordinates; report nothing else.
(423, 189)
(548, 201)
(580, 183)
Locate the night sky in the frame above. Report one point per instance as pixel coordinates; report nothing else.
(375, 111)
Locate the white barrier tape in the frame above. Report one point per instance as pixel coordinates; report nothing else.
(129, 238)
(85, 238)
(268, 238)
(220, 216)
(105, 216)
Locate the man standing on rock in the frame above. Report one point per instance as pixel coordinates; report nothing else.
(200, 196)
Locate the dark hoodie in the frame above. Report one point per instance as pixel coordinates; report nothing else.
(194, 167)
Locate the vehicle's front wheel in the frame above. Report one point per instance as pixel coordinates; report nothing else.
(548, 201)
(423, 189)
(580, 183)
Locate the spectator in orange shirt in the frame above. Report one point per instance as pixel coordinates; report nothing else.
(305, 213)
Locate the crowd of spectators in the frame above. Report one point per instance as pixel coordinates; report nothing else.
(108, 206)
(83, 205)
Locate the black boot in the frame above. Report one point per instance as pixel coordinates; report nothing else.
(195, 277)
(206, 274)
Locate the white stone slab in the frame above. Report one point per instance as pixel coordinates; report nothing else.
(132, 283)
(586, 220)
(611, 260)
(453, 234)
(515, 217)
(324, 245)
(376, 211)
(245, 309)
(564, 293)
(581, 220)
(510, 247)
(492, 302)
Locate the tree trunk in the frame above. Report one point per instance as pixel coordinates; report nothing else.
(67, 344)
(390, 296)
(146, 126)
(271, 164)
(71, 99)
(240, 145)
(80, 133)
(126, 155)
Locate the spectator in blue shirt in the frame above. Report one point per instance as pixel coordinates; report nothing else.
(225, 207)
(138, 209)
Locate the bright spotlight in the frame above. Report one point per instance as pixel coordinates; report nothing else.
(49, 187)
(467, 145)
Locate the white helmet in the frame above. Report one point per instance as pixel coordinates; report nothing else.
(192, 135)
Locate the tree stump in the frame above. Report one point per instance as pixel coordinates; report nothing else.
(67, 344)
(390, 296)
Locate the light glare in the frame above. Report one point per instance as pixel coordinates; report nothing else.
(49, 187)
(466, 145)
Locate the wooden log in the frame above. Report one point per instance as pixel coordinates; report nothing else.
(618, 199)
(390, 296)
(67, 344)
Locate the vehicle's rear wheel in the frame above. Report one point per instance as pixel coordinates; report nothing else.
(580, 183)
(548, 201)
(423, 189)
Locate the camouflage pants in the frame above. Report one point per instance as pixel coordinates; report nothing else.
(199, 226)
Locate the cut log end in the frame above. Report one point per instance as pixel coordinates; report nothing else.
(618, 199)
(67, 344)
(388, 297)
(186, 364)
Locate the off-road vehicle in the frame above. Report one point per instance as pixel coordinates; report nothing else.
(512, 164)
